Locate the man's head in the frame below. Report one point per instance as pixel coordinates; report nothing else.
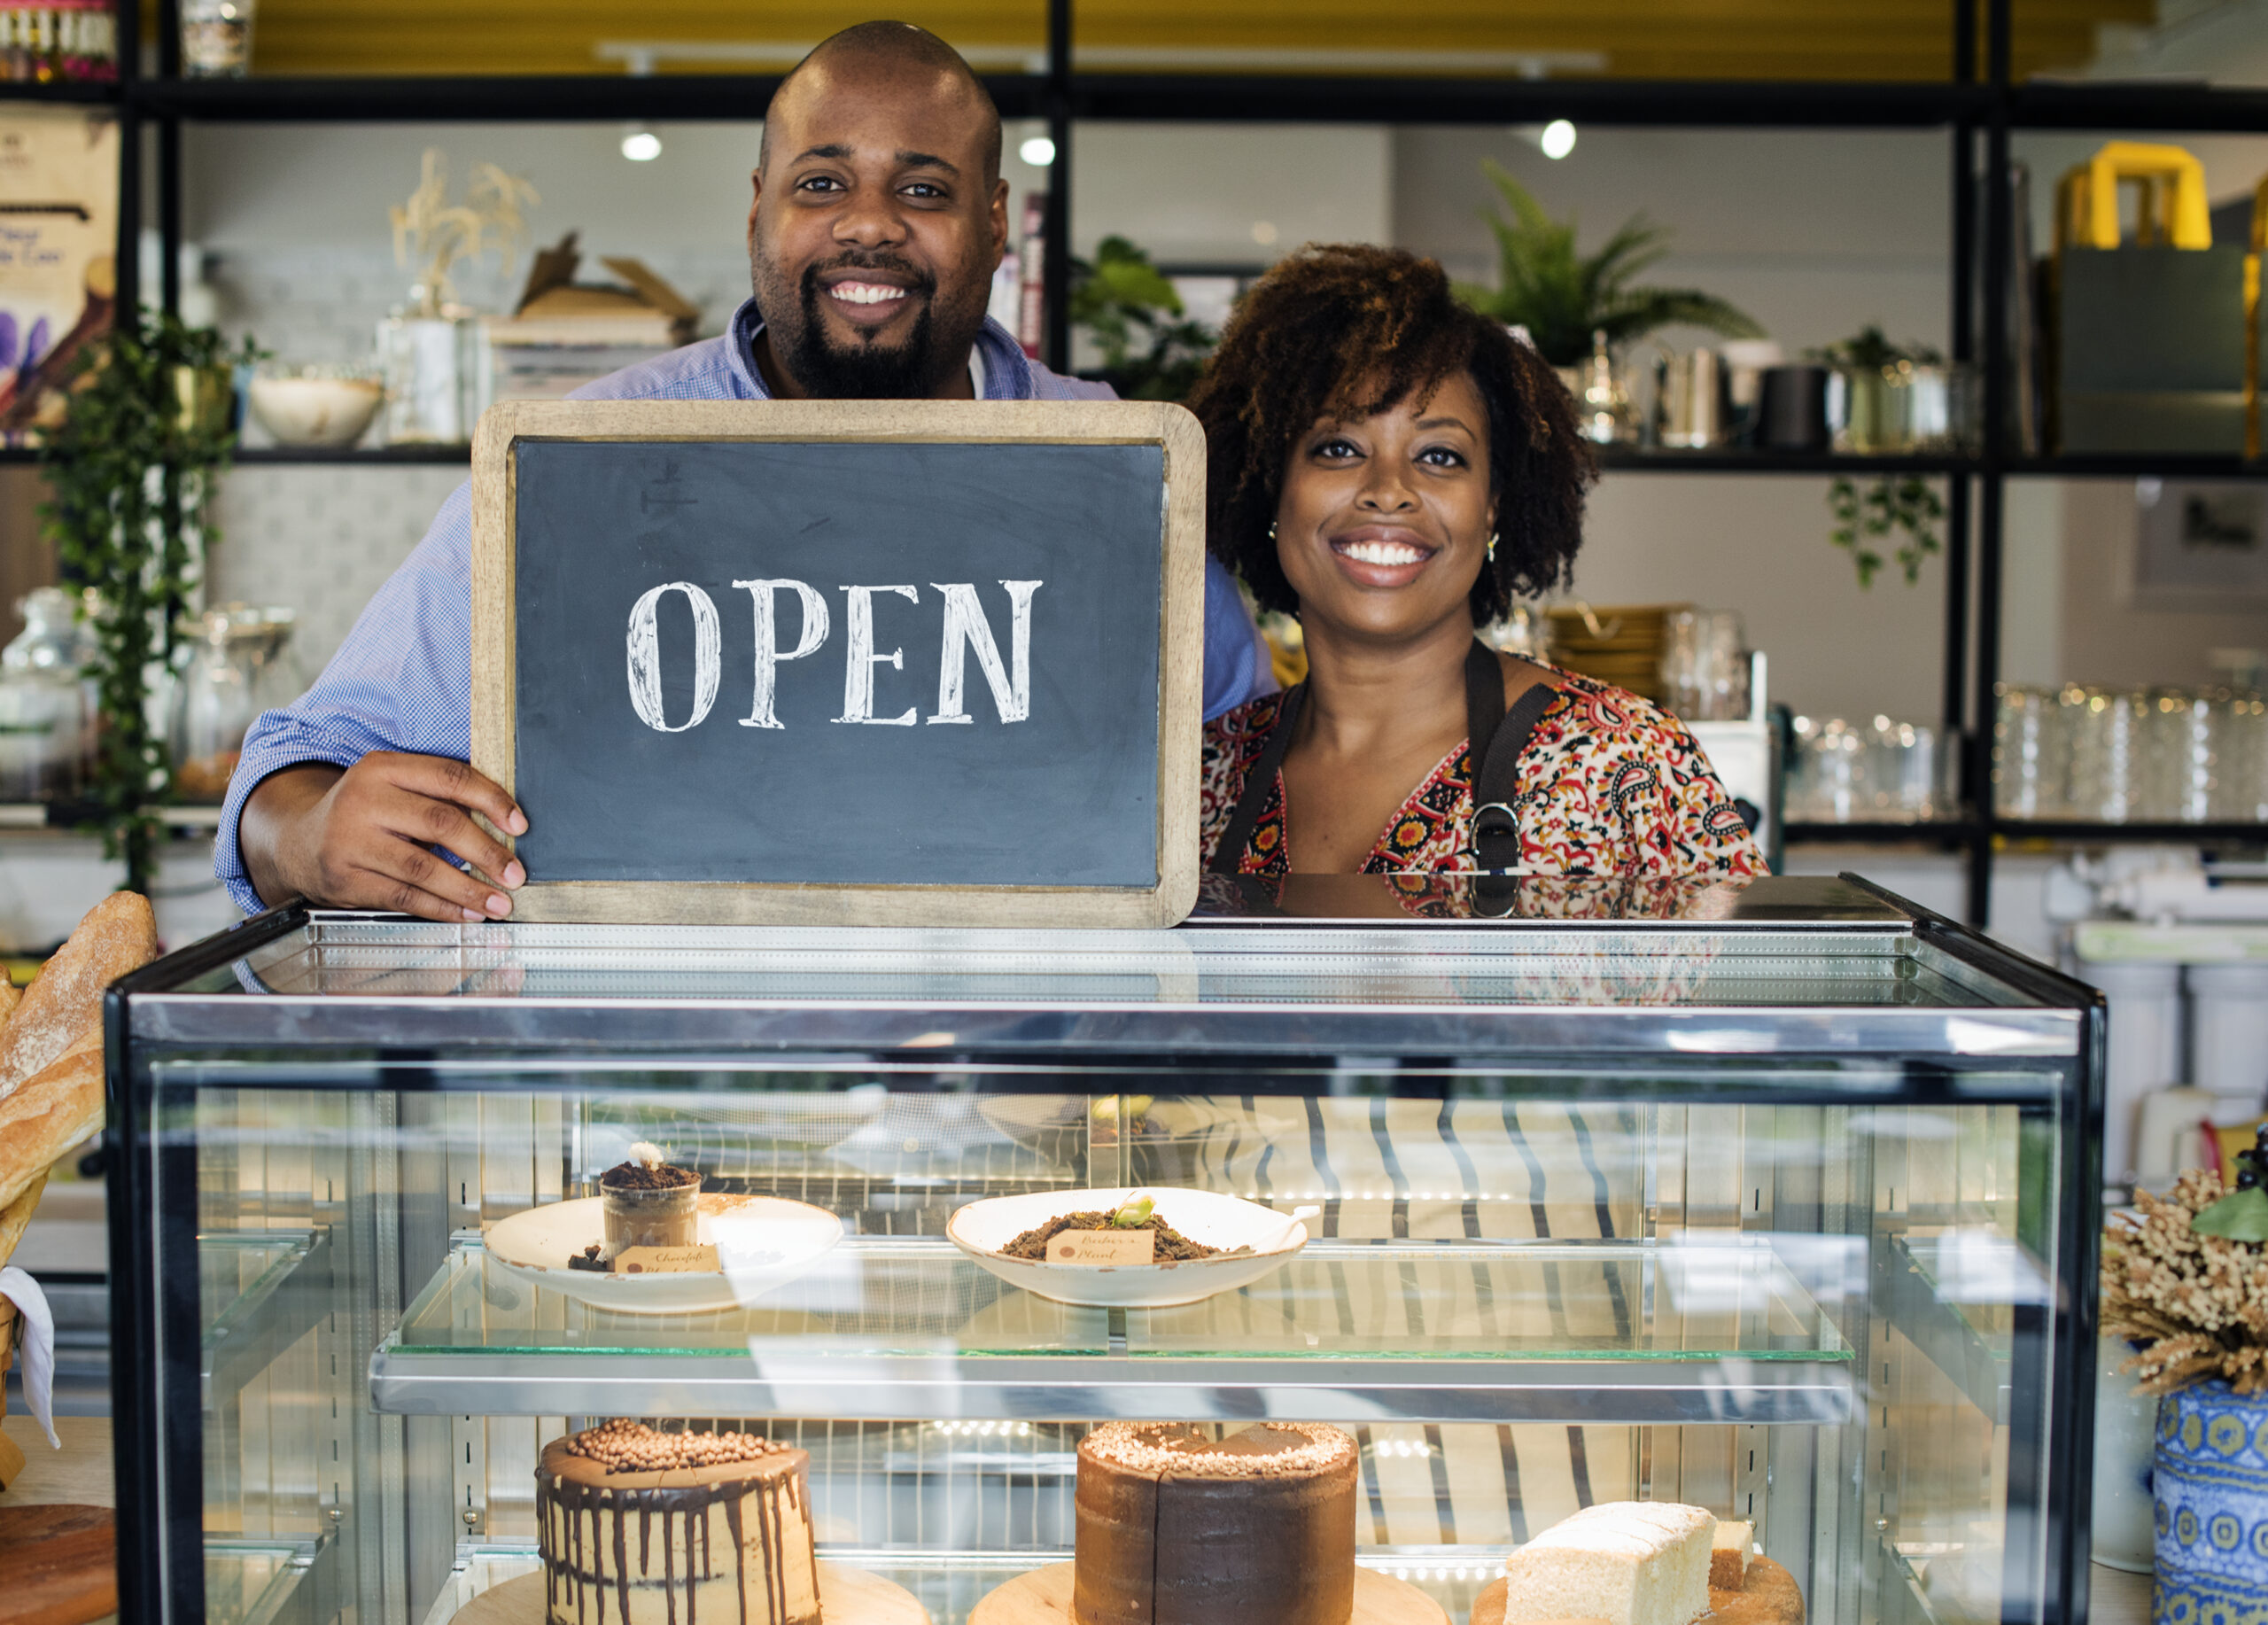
(880, 215)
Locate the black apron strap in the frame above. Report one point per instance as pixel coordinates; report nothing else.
(1484, 699)
(1496, 779)
(1500, 734)
(1228, 857)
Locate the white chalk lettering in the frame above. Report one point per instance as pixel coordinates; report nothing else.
(645, 656)
(859, 673)
(967, 632)
(768, 652)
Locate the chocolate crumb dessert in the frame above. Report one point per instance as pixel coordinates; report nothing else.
(653, 1528)
(1177, 1528)
(1172, 1247)
(646, 1203)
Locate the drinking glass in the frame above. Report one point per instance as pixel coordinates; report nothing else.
(2029, 752)
(2109, 748)
(1704, 665)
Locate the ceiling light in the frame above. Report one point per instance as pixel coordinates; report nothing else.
(641, 147)
(1038, 151)
(1558, 138)
(1264, 233)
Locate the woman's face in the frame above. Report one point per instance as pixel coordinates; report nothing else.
(1383, 525)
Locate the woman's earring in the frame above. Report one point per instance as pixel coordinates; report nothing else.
(1272, 530)
(1492, 547)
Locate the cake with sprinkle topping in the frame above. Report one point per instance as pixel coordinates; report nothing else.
(1177, 1527)
(638, 1526)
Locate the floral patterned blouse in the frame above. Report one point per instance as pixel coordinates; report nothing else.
(1609, 785)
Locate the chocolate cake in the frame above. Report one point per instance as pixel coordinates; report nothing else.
(1177, 1528)
(641, 1527)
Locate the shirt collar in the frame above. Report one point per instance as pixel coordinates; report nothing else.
(998, 367)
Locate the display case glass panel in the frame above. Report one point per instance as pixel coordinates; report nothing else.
(1775, 1213)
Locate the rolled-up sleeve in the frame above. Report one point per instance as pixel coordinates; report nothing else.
(402, 681)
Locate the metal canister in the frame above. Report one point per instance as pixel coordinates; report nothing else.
(1689, 404)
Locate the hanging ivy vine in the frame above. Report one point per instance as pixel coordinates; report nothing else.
(133, 471)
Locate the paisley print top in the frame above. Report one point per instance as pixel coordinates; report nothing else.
(1609, 785)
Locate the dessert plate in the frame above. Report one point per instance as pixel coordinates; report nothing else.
(983, 1228)
(762, 1241)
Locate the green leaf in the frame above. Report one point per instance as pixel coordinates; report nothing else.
(1546, 284)
(1134, 1213)
(2240, 1216)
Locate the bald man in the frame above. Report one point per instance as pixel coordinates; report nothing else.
(879, 218)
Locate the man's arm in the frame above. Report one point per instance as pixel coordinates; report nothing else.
(1236, 666)
(341, 797)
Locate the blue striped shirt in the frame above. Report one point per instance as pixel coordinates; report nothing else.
(403, 678)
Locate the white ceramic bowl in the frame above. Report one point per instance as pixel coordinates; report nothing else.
(762, 1243)
(983, 1228)
(327, 413)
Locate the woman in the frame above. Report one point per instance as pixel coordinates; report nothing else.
(1394, 468)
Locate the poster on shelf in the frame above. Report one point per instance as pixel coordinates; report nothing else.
(59, 242)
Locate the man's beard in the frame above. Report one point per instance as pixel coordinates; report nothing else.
(864, 370)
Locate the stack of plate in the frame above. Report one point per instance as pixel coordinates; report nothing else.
(1618, 646)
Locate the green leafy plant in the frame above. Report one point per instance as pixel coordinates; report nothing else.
(134, 468)
(1904, 506)
(1562, 296)
(1150, 350)
(1907, 507)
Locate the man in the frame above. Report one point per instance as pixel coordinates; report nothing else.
(880, 216)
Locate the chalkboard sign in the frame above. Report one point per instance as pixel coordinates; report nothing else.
(843, 662)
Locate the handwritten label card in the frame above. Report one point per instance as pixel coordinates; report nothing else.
(666, 1261)
(1104, 1246)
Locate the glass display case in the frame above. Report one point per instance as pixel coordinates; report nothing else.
(1772, 1198)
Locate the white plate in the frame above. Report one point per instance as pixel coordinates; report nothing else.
(983, 1228)
(762, 1241)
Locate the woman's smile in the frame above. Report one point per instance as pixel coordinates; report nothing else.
(1382, 555)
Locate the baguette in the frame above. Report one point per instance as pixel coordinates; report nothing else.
(119, 934)
(17, 1215)
(48, 1115)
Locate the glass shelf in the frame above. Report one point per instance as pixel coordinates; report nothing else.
(885, 1328)
(952, 1583)
(1955, 1295)
(260, 1291)
(251, 1581)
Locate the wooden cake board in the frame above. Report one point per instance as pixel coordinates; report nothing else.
(1770, 1598)
(59, 1562)
(847, 1596)
(1043, 1597)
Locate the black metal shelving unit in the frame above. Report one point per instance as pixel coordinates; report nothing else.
(1978, 107)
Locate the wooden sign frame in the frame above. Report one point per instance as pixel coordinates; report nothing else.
(1181, 654)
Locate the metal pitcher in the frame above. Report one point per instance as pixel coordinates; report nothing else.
(1690, 408)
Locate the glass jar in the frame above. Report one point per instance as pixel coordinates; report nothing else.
(2109, 746)
(649, 1215)
(46, 704)
(1704, 665)
(2240, 791)
(1831, 780)
(235, 670)
(216, 38)
(2030, 752)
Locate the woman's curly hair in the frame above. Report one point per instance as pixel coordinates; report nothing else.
(1346, 331)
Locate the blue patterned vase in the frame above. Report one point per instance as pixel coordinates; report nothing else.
(2210, 1482)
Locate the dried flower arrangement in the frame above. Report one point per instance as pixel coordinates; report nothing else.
(434, 235)
(2186, 1280)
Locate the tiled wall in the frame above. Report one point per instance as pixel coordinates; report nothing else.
(320, 538)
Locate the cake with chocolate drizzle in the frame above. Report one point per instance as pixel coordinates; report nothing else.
(641, 1528)
(1177, 1528)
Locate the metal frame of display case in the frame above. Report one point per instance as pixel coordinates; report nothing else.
(1979, 105)
(396, 1041)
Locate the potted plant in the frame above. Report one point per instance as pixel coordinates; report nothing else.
(1889, 398)
(133, 469)
(1150, 350)
(2184, 1280)
(1564, 297)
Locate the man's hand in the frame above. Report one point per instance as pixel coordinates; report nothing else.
(358, 838)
